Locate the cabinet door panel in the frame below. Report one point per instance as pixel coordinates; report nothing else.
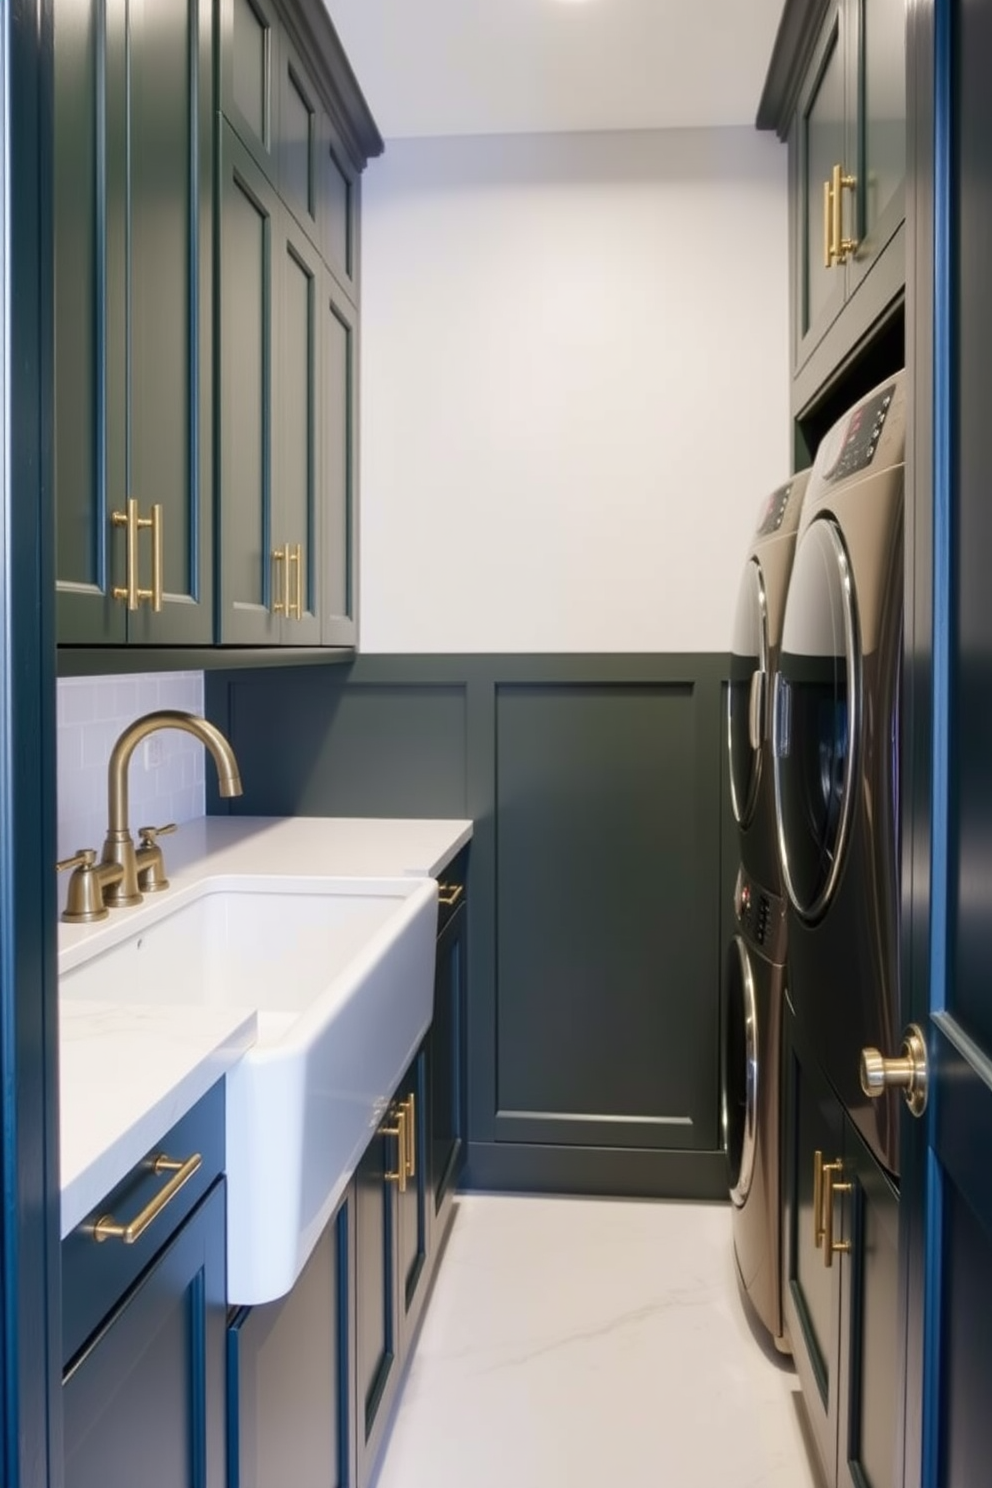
(447, 1061)
(376, 1310)
(248, 237)
(296, 505)
(338, 195)
(413, 1217)
(814, 1124)
(299, 142)
(249, 52)
(145, 1402)
(879, 129)
(169, 279)
(869, 1451)
(822, 140)
(339, 468)
(289, 1377)
(86, 609)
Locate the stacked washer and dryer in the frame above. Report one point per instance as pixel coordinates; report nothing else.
(813, 736)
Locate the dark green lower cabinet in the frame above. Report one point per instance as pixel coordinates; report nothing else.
(448, 1054)
(290, 1375)
(144, 1401)
(843, 1318)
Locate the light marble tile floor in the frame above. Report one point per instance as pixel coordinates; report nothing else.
(577, 1343)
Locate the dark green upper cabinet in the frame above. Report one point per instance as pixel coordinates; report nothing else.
(133, 164)
(836, 89)
(339, 434)
(249, 52)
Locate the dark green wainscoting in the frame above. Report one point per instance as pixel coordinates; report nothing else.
(600, 874)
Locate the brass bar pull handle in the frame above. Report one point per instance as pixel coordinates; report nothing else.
(817, 1199)
(107, 1228)
(449, 894)
(411, 1135)
(294, 559)
(154, 594)
(399, 1175)
(128, 592)
(836, 206)
(832, 1247)
(828, 242)
(280, 603)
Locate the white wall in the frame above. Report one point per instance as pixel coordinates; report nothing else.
(166, 783)
(574, 387)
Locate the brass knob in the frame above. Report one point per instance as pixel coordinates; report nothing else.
(908, 1073)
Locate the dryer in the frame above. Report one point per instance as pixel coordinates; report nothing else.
(754, 971)
(836, 720)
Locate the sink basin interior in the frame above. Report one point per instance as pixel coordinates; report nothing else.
(272, 950)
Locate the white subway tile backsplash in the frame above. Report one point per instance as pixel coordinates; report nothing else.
(91, 712)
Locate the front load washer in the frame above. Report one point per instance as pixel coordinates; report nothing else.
(755, 961)
(753, 663)
(836, 717)
(754, 983)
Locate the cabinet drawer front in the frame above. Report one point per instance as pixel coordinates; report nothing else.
(95, 1275)
(144, 1404)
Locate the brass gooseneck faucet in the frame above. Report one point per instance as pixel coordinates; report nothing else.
(125, 872)
(118, 847)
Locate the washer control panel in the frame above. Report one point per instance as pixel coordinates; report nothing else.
(760, 916)
(772, 513)
(857, 440)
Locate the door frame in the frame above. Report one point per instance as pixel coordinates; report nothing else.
(928, 224)
(30, 1373)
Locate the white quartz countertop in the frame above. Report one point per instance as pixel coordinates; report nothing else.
(127, 1074)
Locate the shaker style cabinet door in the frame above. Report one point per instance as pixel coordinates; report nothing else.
(133, 321)
(879, 93)
(821, 143)
(252, 583)
(339, 469)
(376, 1312)
(145, 1402)
(413, 1234)
(249, 46)
(298, 518)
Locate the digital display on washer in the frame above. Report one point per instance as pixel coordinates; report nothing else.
(854, 445)
(773, 512)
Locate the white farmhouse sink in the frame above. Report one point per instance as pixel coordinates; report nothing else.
(341, 973)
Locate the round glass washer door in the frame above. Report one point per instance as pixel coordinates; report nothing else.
(816, 718)
(740, 1077)
(747, 693)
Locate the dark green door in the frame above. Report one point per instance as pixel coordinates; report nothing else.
(296, 522)
(878, 117)
(339, 433)
(821, 146)
(413, 1214)
(376, 1315)
(133, 321)
(252, 581)
(947, 1176)
(814, 1142)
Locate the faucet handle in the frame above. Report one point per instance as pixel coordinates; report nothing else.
(84, 901)
(148, 834)
(149, 861)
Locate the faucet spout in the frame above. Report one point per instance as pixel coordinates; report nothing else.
(119, 845)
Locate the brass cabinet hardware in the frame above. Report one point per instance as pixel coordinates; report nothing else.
(148, 858)
(817, 1198)
(158, 571)
(449, 894)
(832, 1247)
(836, 248)
(399, 1175)
(909, 1073)
(294, 559)
(84, 902)
(132, 595)
(280, 585)
(107, 1228)
(410, 1105)
(129, 519)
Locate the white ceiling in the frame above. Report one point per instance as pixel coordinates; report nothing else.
(436, 67)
